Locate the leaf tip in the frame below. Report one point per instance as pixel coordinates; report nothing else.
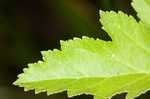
(15, 83)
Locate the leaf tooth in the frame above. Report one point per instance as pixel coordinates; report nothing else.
(112, 12)
(55, 50)
(72, 95)
(38, 90)
(97, 39)
(62, 41)
(15, 83)
(120, 12)
(19, 76)
(76, 38)
(70, 40)
(103, 28)
(54, 92)
(101, 12)
(85, 37)
(25, 70)
(28, 89)
(45, 54)
(31, 65)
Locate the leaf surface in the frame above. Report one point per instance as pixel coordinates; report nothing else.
(143, 9)
(96, 67)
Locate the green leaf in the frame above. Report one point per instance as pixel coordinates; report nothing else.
(96, 67)
(143, 9)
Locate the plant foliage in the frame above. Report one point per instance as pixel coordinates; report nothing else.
(97, 67)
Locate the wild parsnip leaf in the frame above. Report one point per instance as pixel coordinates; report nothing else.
(143, 9)
(96, 67)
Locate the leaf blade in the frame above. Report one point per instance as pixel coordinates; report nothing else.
(96, 67)
(143, 9)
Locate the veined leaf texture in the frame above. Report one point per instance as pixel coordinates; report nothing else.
(96, 67)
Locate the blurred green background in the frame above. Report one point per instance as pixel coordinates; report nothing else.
(30, 26)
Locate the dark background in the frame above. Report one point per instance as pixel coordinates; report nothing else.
(30, 26)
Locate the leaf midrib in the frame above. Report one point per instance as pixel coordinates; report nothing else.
(87, 77)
